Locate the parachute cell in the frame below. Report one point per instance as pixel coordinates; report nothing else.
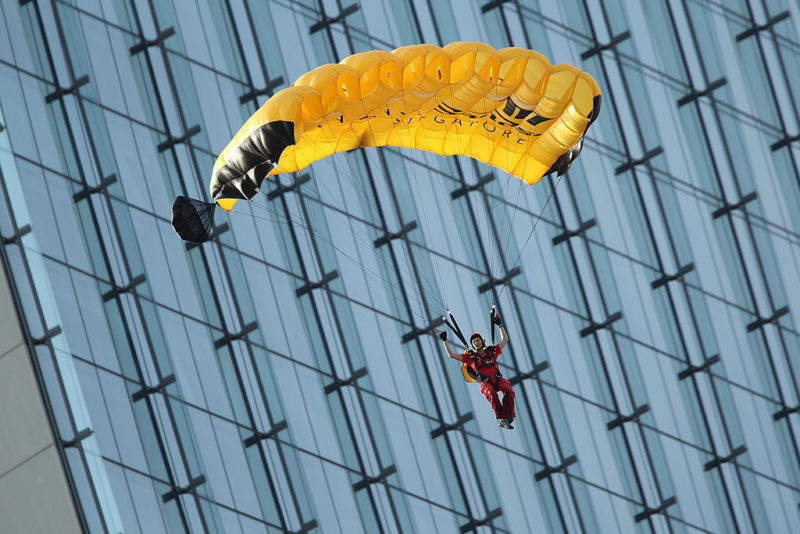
(508, 108)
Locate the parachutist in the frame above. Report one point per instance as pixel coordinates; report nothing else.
(480, 363)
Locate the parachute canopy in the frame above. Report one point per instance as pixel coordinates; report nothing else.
(508, 108)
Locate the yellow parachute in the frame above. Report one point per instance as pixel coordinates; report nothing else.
(508, 108)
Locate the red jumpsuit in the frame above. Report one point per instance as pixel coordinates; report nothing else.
(484, 362)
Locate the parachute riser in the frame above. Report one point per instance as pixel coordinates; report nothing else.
(491, 321)
(453, 325)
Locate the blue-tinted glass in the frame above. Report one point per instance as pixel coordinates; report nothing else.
(253, 342)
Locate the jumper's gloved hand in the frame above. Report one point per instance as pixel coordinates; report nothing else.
(442, 334)
(496, 320)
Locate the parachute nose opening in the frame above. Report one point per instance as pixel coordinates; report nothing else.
(192, 219)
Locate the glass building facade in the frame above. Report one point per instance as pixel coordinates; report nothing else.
(285, 377)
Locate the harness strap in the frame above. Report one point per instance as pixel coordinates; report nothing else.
(493, 379)
(484, 362)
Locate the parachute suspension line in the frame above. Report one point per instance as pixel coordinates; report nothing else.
(473, 173)
(364, 238)
(292, 221)
(505, 242)
(437, 286)
(288, 220)
(437, 177)
(459, 167)
(511, 232)
(277, 122)
(404, 269)
(434, 286)
(430, 287)
(414, 270)
(508, 197)
(360, 235)
(538, 218)
(504, 245)
(503, 200)
(338, 170)
(497, 261)
(409, 268)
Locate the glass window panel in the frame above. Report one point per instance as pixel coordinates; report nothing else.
(83, 487)
(743, 266)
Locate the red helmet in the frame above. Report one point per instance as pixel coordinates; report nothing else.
(479, 336)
